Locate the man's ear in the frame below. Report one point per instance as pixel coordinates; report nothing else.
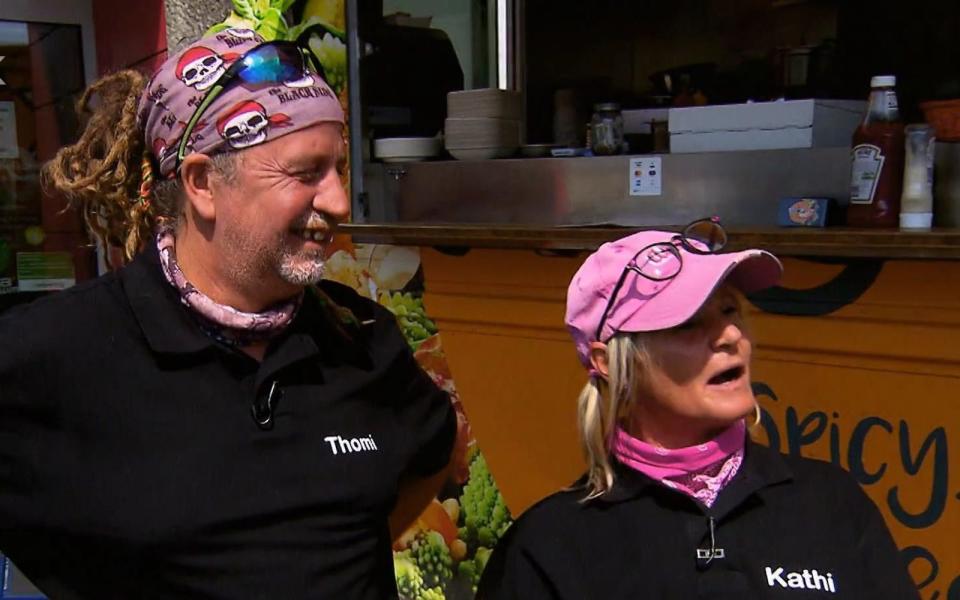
(598, 359)
(196, 175)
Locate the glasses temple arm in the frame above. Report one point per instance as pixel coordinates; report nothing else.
(207, 101)
(610, 301)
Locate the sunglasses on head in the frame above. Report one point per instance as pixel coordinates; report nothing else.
(270, 63)
(663, 261)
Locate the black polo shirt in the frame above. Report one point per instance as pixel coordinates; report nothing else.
(131, 464)
(784, 528)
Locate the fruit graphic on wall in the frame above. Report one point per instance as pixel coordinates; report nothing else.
(443, 553)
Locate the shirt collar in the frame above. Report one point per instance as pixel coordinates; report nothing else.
(321, 326)
(165, 322)
(761, 468)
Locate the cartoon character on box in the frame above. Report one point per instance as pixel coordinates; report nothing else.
(803, 212)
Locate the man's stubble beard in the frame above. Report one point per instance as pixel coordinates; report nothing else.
(303, 268)
(251, 260)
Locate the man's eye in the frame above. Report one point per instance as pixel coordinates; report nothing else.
(308, 175)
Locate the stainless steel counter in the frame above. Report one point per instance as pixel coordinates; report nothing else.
(742, 187)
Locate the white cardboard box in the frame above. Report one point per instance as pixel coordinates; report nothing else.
(765, 125)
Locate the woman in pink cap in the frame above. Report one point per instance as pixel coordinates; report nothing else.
(677, 501)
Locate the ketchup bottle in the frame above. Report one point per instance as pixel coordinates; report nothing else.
(876, 176)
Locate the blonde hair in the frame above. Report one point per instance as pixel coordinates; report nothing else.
(107, 175)
(604, 402)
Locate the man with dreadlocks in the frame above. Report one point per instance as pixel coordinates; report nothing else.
(212, 420)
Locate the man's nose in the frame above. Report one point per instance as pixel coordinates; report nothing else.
(332, 199)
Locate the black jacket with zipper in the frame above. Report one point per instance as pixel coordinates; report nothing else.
(784, 528)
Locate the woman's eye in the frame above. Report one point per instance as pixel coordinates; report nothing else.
(731, 310)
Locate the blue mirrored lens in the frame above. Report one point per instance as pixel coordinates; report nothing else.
(271, 65)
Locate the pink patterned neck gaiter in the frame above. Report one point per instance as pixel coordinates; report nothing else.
(223, 323)
(699, 471)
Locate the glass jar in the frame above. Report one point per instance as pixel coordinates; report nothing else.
(606, 129)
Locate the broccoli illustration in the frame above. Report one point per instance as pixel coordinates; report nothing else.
(424, 569)
(485, 516)
(432, 594)
(472, 569)
(411, 316)
(430, 553)
(409, 577)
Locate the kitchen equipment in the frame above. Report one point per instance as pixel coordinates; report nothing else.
(805, 70)
(405, 75)
(946, 190)
(794, 65)
(567, 119)
(406, 149)
(686, 85)
(402, 19)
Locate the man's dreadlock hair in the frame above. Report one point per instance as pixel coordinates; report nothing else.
(108, 174)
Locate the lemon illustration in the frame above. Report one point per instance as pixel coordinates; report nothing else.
(34, 235)
(329, 11)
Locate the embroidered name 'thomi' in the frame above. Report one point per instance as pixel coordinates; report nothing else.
(347, 445)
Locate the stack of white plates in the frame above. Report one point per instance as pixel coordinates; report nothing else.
(406, 149)
(482, 124)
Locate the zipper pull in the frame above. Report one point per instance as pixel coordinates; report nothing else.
(708, 554)
(262, 407)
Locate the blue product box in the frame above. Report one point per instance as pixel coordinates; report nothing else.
(804, 212)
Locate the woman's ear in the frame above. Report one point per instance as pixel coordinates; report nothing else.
(599, 359)
(196, 176)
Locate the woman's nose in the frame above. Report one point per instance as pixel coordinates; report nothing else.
(727, 334)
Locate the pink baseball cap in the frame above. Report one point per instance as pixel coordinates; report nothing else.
(644, 304)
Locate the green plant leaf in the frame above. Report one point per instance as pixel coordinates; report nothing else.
(246, 9)
(272, 25)
(238, 22)
(298, 29)
(216, 29)
(282, 5)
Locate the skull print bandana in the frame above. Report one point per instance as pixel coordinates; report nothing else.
(242, 116)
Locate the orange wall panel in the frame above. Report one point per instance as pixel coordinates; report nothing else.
(868, 377)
